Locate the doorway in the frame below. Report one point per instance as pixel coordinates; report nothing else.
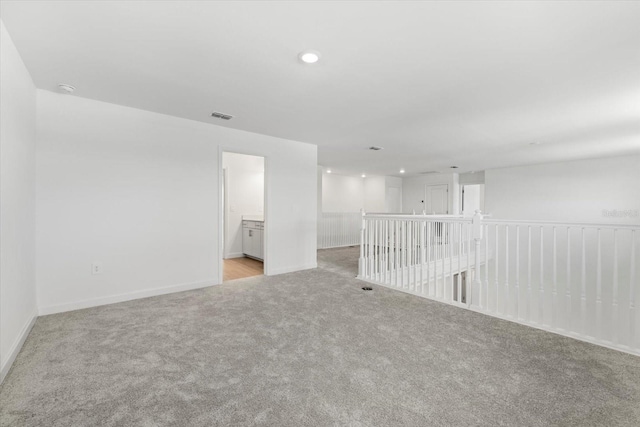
(243, 219)
(472, 199)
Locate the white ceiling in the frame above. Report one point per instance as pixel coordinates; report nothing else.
(471, 84)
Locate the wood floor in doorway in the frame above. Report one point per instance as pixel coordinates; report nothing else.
(238, 268)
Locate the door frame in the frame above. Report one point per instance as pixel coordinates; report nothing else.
(461, 201)
(222, 202)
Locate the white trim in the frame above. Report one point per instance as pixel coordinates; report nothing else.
(620, 347)
(112, 299)
(349, 245)
(17, 346)
(276, 271)
(234, 255)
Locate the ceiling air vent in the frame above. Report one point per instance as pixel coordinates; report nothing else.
(375, 148)
(428, 172)
(222, 116)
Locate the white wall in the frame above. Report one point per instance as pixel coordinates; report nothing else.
(375, 190)
(139, 192)
(17, 201)
(245, 196)
(413, 191)
(342, 193)
(394, 194)
(472, 199)
(577, 191)
(471, 178)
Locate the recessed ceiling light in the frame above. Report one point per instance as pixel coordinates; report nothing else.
(364, 176)
(401, 170)
(454, 167)
(65, 88)
(376, 148)
(328, 170)
(309, 56)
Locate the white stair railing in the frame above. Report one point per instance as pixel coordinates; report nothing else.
(338, 229)
(578, 280)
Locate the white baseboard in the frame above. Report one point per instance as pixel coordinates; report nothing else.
(17, 346)
(276, 271)
(234, 255)
(95, 302)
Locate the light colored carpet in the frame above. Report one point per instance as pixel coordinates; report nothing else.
(309, 349)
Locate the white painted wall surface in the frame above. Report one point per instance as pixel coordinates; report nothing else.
(413, 191)
(394, 194)
(577, 191)
(471, 178)
(139, 192)
(17, 201)
(472, 198)
(342, 193)
(245, 196)
(375, 191)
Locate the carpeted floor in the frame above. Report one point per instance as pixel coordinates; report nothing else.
(309, 349)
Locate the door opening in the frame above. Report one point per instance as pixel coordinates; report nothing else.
(243, 228)
(472, 199)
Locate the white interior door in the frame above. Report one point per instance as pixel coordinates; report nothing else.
(437, 199)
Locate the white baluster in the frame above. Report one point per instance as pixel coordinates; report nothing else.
(387, 245)
(361, 263)
(422, 253)
(496, 278)
(599, 327)
(429, 255)
(568, 285)
(397, 254)
(583, 288)
(615, 325)
(632, 292)
(477, 237)
(450, 244)
(554, 308)
(528, 317)
(486, 267)
(517, 308)
(506, 272)
(442, 253)
(403, 254)
(541, 301)
(459, 284)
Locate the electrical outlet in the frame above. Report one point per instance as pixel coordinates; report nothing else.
(96, 268)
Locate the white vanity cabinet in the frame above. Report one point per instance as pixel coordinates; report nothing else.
(252, 242)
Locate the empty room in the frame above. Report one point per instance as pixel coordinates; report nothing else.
(311, 213)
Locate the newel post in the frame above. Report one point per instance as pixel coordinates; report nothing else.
(476, 225)
(361, 262)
